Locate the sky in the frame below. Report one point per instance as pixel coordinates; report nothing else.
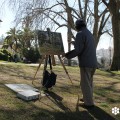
(7, 16)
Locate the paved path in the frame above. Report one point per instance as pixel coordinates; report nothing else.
(31, 64)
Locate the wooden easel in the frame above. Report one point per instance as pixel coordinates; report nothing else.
(45, 57)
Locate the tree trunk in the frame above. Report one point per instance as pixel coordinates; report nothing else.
(114, 9)
(95, 29)
(69, 37)
(116, 36)
(69, 24)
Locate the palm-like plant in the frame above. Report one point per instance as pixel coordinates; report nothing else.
(12, 38)
(19, 40)
(27, 37)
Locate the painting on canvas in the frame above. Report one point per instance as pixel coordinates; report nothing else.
(50, 43)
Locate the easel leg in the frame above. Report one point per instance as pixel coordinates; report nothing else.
(45, 66)
(53, 60)
(65, 68)
(38, 68)
(45, 62)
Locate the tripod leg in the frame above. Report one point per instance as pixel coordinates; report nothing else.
(45, 62)
(65, 68)
(53, 60)
(38, 68)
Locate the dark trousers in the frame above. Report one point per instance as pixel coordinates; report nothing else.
(86, 84)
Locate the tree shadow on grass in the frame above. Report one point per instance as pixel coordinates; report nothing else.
(109, 74)
(16, 71)
(96, 112)
(99, 114)
(86, 114)
(32, 112)
(36, 113)
(42, 114)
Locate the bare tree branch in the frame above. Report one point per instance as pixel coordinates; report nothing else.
(80, 8)
(85, 9)
(104, 12)
(104, 1)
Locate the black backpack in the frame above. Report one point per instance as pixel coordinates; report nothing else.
(49, 78)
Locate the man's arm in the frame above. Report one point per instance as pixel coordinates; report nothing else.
(71, 54)
(78, 45)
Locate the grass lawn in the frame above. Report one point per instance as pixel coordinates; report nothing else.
(62, 103)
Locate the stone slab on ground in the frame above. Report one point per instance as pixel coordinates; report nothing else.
(26, 92)
(21, 87)
(28, 95)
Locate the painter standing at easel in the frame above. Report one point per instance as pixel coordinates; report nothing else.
(86, 52)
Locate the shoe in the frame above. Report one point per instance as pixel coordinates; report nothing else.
(87, 106)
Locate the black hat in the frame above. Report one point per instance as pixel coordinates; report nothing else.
(80, 23)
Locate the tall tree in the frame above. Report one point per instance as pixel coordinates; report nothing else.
(27, 37)
(12, 38)
(57, 11)
(114, 8)
(63, 13)
(95, 20)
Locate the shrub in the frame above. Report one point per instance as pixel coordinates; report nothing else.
(32, 55)
(5, 55)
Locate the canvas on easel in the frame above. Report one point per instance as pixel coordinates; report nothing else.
(50, 43)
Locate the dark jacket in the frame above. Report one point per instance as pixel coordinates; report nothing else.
(84, 49)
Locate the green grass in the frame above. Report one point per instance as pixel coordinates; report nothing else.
(62, 104)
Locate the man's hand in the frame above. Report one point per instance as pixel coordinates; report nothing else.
(63, 56)
(72, 42)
